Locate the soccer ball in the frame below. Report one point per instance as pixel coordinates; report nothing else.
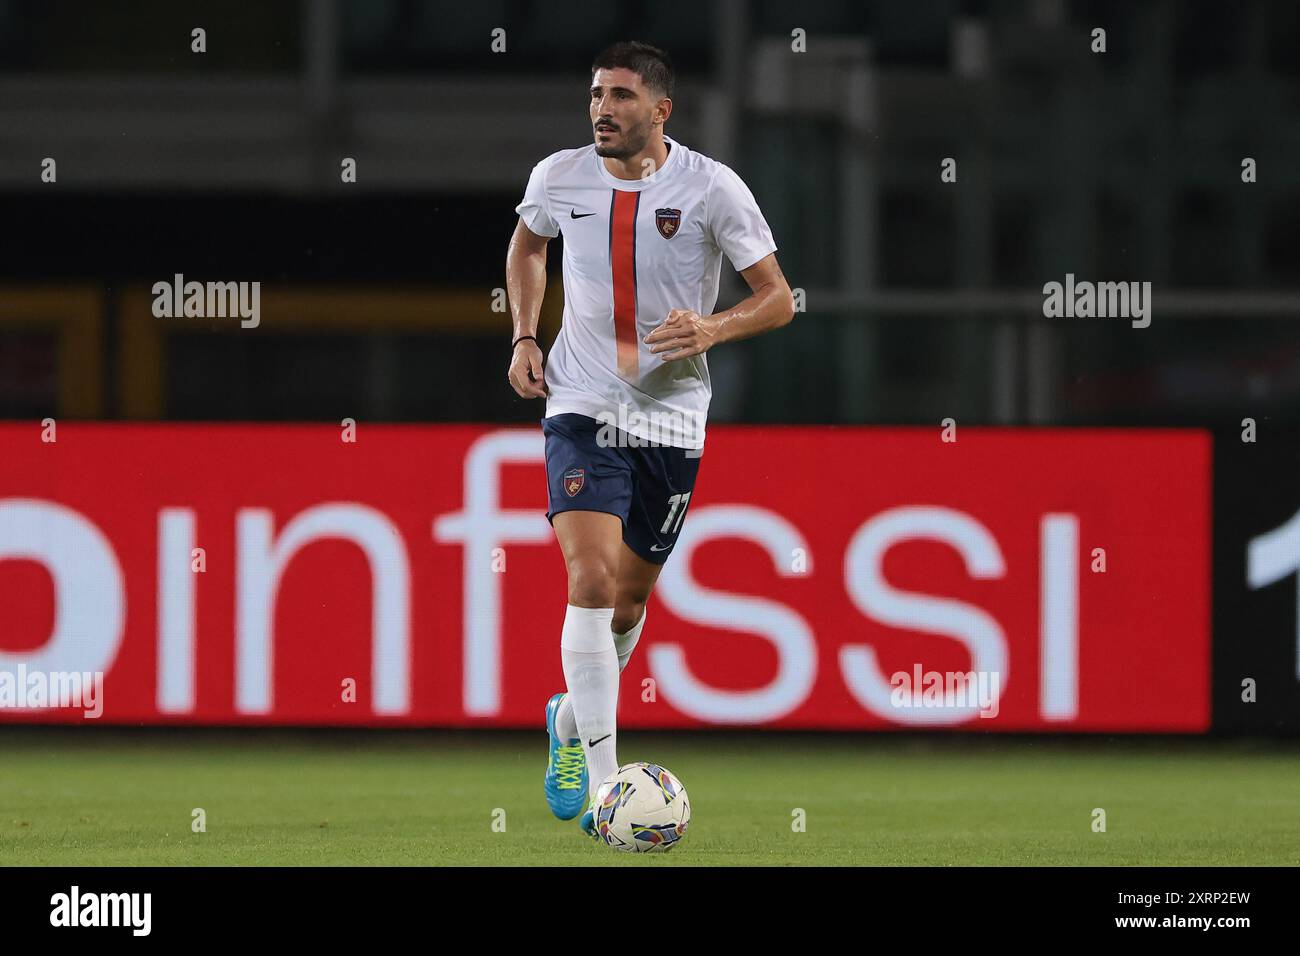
(642, 808)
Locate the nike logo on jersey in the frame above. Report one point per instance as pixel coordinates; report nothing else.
(592, 743)
(574, 214)
(655, 547)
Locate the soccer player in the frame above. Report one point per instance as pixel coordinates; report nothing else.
(646, 222)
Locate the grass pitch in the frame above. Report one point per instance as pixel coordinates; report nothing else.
(115, 797)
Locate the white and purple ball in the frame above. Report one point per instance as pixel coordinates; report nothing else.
(642, 808)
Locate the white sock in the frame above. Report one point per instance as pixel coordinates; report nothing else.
(624, 644)
(591, 672)
(566, 727)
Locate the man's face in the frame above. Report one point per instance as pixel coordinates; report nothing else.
(622, 113)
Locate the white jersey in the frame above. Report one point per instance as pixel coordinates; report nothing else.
(633, 251)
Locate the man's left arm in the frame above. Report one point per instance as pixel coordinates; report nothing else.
(770, 306)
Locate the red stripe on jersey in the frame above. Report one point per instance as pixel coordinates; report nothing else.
(622, 261)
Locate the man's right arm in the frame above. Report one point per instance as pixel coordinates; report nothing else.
(525, 287)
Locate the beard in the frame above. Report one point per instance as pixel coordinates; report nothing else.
(633, 141)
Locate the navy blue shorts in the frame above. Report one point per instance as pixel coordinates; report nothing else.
(649, 488)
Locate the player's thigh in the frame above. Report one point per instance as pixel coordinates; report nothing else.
(590, 537)
(636, 576)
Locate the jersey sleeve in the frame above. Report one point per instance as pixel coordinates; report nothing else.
(535, 210)
(735, 221)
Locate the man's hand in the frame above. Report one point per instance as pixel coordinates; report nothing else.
(526, 371)
(683, 334)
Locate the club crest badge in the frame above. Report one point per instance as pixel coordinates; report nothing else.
(668, 221)
(573, 481)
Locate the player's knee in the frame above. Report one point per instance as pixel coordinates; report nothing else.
(626, 616)
(591, 583)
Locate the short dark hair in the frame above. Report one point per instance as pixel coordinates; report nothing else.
(646, 61)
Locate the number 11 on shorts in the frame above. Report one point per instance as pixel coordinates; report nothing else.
(676, 512)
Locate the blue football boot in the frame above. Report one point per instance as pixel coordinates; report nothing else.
(588, 822)
(566, 769)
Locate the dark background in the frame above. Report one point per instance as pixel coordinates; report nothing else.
(923, 298)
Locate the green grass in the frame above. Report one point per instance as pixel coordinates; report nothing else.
(111, 797)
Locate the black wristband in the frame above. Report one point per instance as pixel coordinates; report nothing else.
(520, 339)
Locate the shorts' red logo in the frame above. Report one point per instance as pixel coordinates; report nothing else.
(668, 220)
(573, 479)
